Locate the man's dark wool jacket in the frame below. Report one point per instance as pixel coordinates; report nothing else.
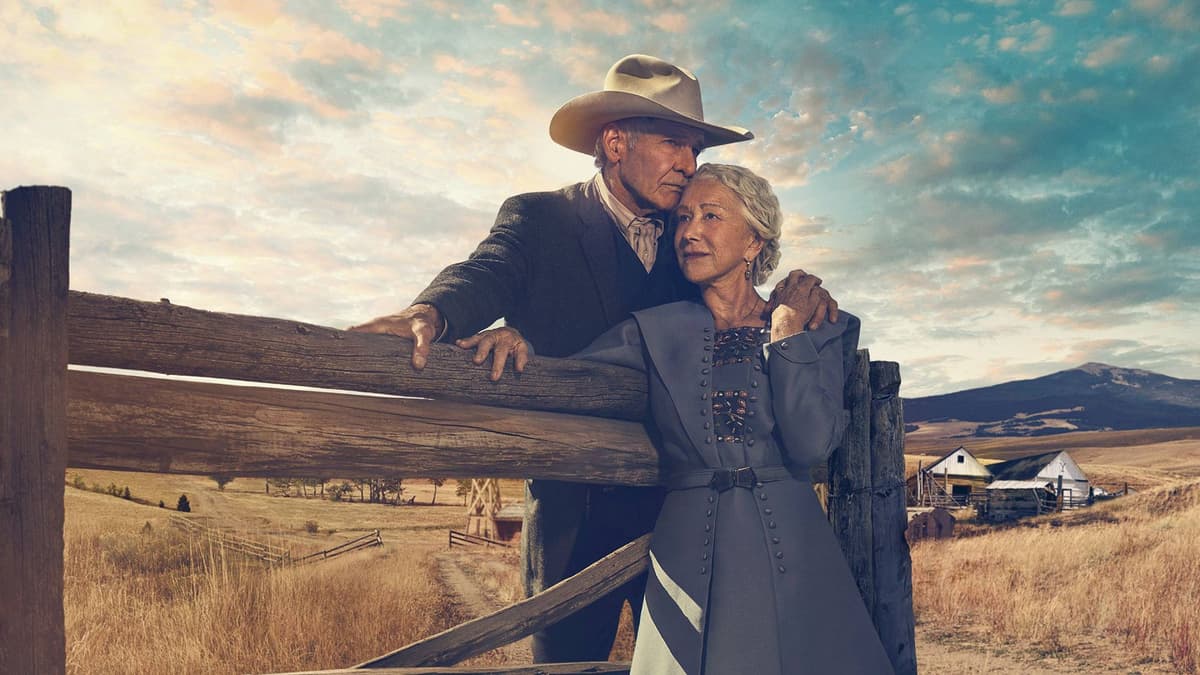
(556, 268)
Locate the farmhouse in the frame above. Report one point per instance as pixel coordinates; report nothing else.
(950, 481)
(1028, 486)
(1055, 467)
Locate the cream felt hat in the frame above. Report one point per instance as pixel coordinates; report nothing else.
(638, 86)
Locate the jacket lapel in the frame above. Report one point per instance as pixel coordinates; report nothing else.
(673, 337)
(596, 239)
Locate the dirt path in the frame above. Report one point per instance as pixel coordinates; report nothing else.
(476, 603)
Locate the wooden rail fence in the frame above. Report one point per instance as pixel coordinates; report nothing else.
(226, 540)
(561, 419)
(456, 538)
(268, 553)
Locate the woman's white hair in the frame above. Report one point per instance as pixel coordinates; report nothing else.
(760, 208)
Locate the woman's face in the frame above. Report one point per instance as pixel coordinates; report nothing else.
(712, 239)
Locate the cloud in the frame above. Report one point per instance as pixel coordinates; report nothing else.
(506, 16)
(1108, 52)
(1005, 95)
(1075, 7)
(671, 22)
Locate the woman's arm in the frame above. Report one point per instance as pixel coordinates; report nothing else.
(807, 372)
(621, 345)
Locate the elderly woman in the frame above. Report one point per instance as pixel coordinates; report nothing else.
(746, 574)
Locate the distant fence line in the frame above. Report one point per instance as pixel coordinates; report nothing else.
(265, 552)
(562, 419)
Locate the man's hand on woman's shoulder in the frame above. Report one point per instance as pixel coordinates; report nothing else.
(799, 303)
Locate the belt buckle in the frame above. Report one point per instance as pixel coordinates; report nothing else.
(744, 477)
(723, 479)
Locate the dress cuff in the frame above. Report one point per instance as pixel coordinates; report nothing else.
(797, 348)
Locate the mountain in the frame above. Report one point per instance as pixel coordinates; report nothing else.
(1093, 396)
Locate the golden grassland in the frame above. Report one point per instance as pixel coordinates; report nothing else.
(141, 598)
(1115, 584)
(1121, 579)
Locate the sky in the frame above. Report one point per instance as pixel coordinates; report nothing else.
(1000, 189)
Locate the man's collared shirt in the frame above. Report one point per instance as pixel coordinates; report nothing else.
(641, 232)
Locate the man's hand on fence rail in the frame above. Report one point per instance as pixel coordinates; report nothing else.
(500, 343)
(422, 324)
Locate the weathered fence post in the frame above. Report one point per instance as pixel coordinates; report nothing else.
(893, 612)
(849, 502)
(34, 234)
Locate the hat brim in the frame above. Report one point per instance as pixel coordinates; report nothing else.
(577, 123)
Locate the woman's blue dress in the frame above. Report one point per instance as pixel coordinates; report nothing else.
(746, 573)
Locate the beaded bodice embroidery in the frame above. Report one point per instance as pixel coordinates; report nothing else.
(729, 407)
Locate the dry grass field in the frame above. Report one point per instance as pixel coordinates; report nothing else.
(1113, 588)
(1118, 584)
(141, 598)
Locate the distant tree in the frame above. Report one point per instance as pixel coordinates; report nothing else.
(221, 480)
(183, 504)
(126, 494)
(437, 483)
(161, 505)
(281, 486)
(463, 489)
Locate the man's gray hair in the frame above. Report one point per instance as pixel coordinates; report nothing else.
(760, 208)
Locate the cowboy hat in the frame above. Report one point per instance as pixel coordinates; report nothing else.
(638, 86)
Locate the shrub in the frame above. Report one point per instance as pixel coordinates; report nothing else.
(183, 504)
(310, 526)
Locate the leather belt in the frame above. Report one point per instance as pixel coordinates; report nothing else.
(725, 478)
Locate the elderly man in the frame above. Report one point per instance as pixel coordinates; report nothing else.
(562, 267)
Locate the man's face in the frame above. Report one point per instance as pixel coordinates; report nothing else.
(653, 171)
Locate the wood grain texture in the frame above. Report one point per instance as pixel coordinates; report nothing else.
(893, 611)
(170, 426)
(164, 338)
(527, 616)
(34, 240)
(584, 668)
(849, 500)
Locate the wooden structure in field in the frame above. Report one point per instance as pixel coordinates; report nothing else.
(951, 481)
(482, 506)
(562, 419)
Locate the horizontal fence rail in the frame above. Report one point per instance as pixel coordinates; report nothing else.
(464, 539)
(368, 540)
(169, 426)
(164, 338)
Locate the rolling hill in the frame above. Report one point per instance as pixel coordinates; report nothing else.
(1094, 396)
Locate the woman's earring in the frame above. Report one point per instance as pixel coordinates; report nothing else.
(747, 267)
